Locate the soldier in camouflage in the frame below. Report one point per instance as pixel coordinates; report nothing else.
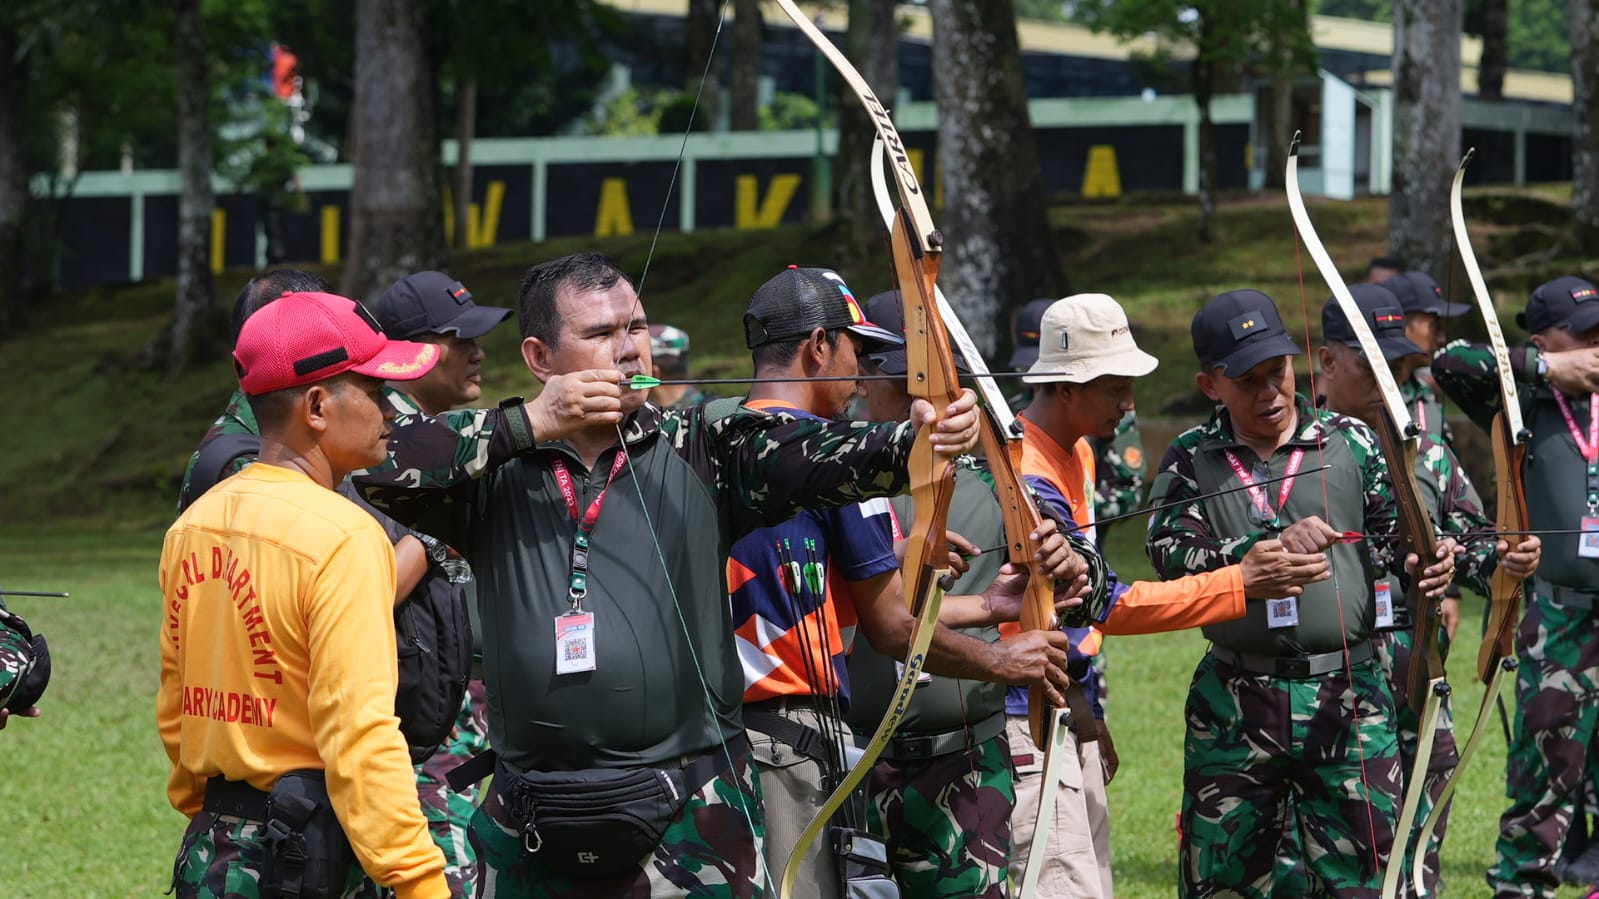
(659, 645)
(1288, 704)
(1452, 504)
(1119, 468)
(1557, 686)
(24, 667)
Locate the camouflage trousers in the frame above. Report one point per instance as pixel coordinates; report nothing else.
(946, 820)
(222, 857)
(449, 813)
(1393, 655)
(712, 850)
(1257, 743)
(1557, 712)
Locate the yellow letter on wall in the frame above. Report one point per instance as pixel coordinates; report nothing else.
(613, 217)
(219, 233)
(1101, 177)
(330, 235)
(770, 214)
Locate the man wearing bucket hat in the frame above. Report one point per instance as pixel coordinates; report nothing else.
(1557, 644)
(276, 705)
(1351, 389)
(1085, 370)
(1299, 656)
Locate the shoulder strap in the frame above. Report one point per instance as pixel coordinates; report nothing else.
(214, 463)
(721, 408)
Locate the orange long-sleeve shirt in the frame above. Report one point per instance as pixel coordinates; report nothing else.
(1145, 607)
(277, 653)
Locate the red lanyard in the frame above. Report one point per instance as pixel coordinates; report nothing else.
(578, 583)
(1590, 447)
(1421, 414)
(563, 479)
(1257, 495)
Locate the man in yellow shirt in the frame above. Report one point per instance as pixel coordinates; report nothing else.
(275, 703)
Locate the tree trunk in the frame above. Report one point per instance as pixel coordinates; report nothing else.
(196, 292)
(1495, 49)
(1426, 143)
(872, 44)
(1584, 21)
(746, 65)
(698, 29)
(395, 223)
(13, 175)
(1203, 76)
(999, 252)
(1285, 67)
(465, 125)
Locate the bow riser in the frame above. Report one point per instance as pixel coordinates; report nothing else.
(1504, 611)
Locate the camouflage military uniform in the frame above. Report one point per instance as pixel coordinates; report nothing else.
(447, 812)
(1557, 683)
(693, 397)
(1119, 466)
(1453, 503)
(223, 855)
(1264, 727)
(19, 659)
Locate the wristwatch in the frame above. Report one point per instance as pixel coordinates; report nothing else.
(437, 551)
(1543, 367)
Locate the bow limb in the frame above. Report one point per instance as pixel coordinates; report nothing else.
(1397, 435)
(1497, 656)
(931, 376)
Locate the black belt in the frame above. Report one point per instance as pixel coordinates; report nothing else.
(807, 741)
(1311, 665)
(913, 747)
(235, 797)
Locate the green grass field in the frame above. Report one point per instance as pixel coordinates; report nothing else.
(92, 447)
(85, 803)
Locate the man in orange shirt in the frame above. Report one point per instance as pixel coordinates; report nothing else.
(275, 703)
(1084, 385)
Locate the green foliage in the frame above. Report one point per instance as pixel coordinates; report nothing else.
(1044, 10)
(1229, 34)
(631, 113)
(788, 112)
(1538, 38)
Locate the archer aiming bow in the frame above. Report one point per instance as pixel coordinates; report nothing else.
(1398, 435)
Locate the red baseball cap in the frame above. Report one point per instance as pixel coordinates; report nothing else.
(303, 338)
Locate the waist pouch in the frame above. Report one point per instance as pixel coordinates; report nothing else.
(307, 854)
(600, 821)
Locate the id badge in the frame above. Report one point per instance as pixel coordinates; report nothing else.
(1588, 541)
(1385, 605)
(574, 642)
(1282, 612)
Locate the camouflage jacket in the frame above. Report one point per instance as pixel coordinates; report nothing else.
(1427, 408)
(1119, 470)
(1467, 374)
(1456, 508)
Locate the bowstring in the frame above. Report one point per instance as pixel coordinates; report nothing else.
(1343, 629)
(699, 671)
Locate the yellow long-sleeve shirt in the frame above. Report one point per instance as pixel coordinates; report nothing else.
(277, 653)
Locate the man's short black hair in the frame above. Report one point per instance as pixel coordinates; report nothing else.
(1392, 262)
(266, 287)
(536, 312)
(779, 353)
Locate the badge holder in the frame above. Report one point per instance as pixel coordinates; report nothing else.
(574, 628)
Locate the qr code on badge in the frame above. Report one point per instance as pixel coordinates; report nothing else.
(575, 650)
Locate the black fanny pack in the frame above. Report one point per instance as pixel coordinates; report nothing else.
(601, 821)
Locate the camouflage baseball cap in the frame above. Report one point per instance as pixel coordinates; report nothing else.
(24, 663)
(666, 340)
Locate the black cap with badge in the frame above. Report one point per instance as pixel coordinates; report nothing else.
(888, 313)
(434, 303)
(1383, 315)
(798, 301)
(1238, 330)
(1418, 292)
(1029, 324)
(1566, 302)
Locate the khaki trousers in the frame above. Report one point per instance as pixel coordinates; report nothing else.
(1078, 863)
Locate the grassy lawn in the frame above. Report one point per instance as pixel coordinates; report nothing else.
(91, 812)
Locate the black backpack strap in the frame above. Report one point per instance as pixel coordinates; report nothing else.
(215, 462)
(474, 769)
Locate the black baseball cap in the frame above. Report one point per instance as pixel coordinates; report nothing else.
(1383, 314)
(434, 303)
(1238, 330)
(798, 301)
(1566, 302)
(886, 310)
(1029, 324)
(1418, 292)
